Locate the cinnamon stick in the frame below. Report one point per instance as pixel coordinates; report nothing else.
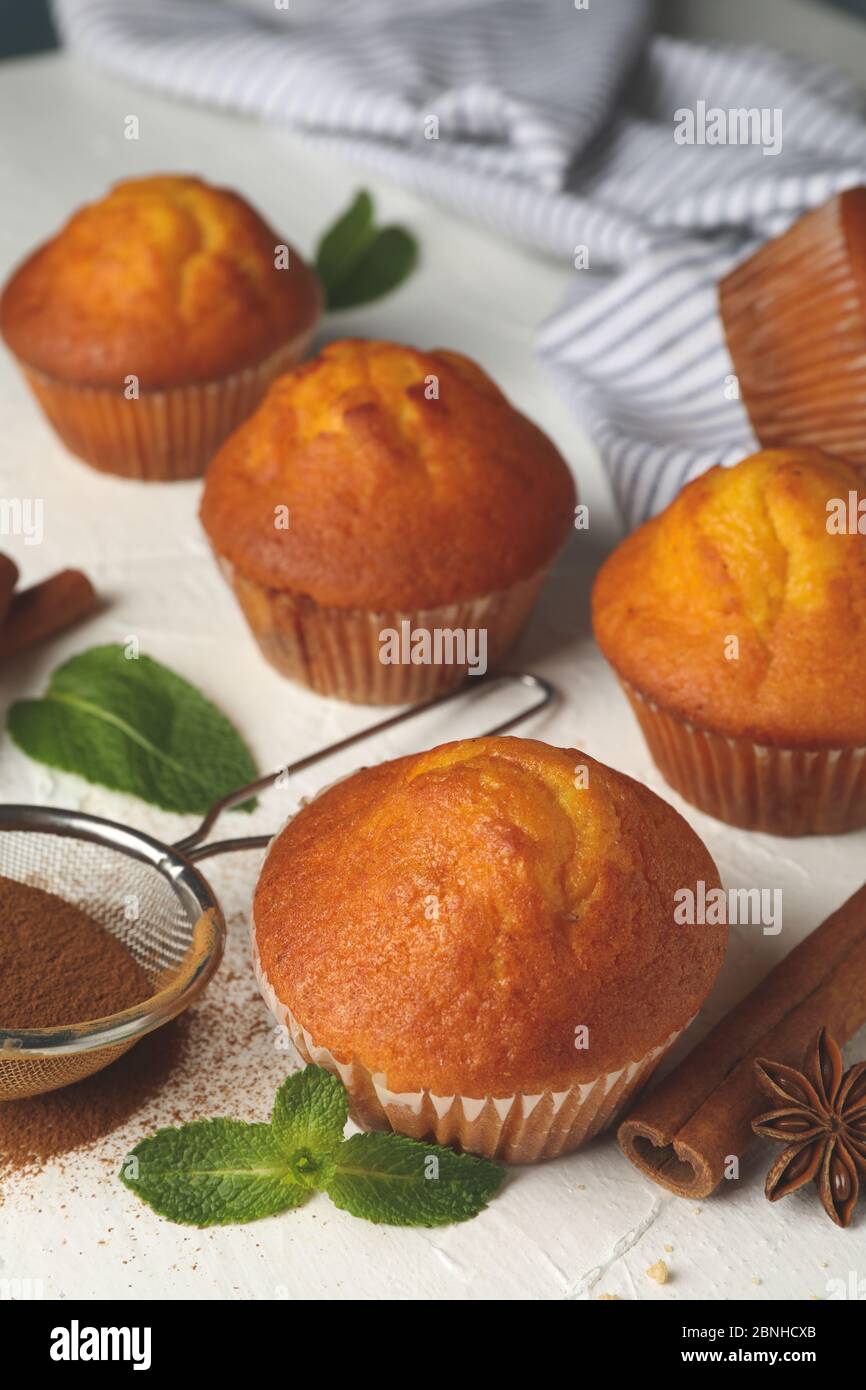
(683, 1133)
(8, 580)
(44, 609)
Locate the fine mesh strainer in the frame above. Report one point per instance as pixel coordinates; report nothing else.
(153, 898)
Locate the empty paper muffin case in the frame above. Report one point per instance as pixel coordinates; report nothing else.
(794, 320)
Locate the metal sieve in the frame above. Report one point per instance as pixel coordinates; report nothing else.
(153, 898)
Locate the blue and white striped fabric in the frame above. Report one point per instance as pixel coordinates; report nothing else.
(551, 122)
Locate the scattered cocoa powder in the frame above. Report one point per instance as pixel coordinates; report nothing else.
(57, 964)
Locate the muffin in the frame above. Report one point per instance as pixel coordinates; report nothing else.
(152, 324)
(795, 319)
(736, 622)
(386, 520)
(481, 940)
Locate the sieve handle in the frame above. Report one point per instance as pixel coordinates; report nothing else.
(192, 846)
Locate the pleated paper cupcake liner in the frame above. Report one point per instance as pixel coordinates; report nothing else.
(336, 651)
(162, 436)
(795, 323)
(518, 1128)
(783, 791)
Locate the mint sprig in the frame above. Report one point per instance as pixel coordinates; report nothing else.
(133, 725)
(217, 1172)
(358, 262)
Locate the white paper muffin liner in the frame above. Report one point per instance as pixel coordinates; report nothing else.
(163, 435)
(781, 791)
(519, 1128)
(335, 651)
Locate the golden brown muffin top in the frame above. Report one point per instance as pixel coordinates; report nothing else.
(450, 919)
(409, 482)
(165, 278)
(746, 553)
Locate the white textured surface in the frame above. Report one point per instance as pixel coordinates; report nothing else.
(573, 1228)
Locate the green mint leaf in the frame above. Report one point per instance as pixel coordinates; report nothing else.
(386, 263)
(309, 1116)
(213, 1173)
(401, 1182)
(343, 244)
(358, 262)
(133, 726)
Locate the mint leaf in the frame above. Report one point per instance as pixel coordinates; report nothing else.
(309, 1116)
(386, 263)
(358, 262)
(345, 242)
(136, 727)
(402, 1182)
(212, 1173)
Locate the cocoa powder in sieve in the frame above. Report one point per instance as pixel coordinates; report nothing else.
(57, 964)
(60, 966)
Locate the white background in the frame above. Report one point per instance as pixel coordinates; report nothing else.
(571, 1229)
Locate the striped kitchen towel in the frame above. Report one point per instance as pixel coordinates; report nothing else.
(651, 164)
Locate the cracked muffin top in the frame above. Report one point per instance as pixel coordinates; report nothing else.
(742, 607)
(450, 919)
(409, 480)
(165, 278)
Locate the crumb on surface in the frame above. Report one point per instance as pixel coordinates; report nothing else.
(658, 1272)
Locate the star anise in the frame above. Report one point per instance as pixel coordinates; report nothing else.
(822, 1119)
